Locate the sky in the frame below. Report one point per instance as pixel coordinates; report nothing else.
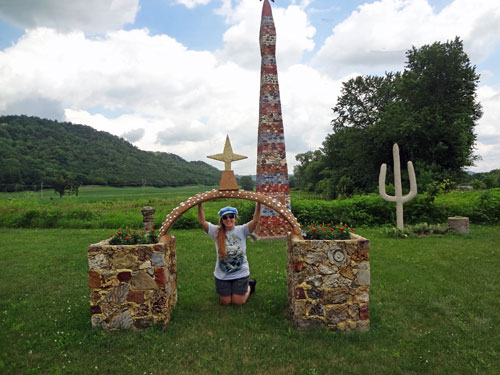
(179, 75)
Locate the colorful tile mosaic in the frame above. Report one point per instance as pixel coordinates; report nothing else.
(272, 169)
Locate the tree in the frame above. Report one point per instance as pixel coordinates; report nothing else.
(309, 170)
(438, 91)
(247, 183)
(430, 110)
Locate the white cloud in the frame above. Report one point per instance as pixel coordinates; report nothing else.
(134, 135)
(488, 130)
(377, 34)
(192, 3)
(91, 16)
(293, 29)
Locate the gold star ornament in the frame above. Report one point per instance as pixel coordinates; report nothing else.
(227, 156)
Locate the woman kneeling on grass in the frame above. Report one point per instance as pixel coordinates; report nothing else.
(231, 272)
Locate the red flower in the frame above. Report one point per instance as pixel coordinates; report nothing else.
(321, 225)
(152, 230)
(324, 229)
(127, 238)
(332, 229)
(352, 229)
(119, 233)
(145, 228)
(141, 233)
(341, 228)
(314, 229)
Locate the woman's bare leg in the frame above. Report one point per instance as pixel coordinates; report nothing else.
(238, 299)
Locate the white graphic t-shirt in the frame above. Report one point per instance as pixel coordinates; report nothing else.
(235, 265)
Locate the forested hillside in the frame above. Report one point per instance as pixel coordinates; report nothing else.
(35, 151)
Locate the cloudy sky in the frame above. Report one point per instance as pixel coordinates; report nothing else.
(178, 75)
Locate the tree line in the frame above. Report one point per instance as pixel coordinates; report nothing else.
(430, 109)
(38, 152)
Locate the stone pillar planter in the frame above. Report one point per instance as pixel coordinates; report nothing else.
(132, 286)
(458, 224)
(148, 217)
(328, 283)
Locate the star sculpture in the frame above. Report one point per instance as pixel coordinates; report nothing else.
(227, 156)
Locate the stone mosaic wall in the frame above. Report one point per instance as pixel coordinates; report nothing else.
(329, 283)
(272, 169)
(132, 286)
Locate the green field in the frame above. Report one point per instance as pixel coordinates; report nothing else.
(434, 310)
(434, 300)
(113, 208)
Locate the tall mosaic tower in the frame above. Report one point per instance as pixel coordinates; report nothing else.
(272, 169)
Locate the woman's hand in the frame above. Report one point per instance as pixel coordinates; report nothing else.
(256, 217)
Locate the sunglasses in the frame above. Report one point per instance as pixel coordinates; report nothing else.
(228, 216)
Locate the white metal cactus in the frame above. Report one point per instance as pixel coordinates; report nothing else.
(398, 196)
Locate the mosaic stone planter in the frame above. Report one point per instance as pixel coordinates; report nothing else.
(132, 286)
(328, 283)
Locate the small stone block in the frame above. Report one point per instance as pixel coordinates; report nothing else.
(124, 276)
(95, 310)
(94, 279)
(141, 280)
(158, 260)
(300, 293)
(297, 266)
(135, 296)
(458, 224)
(364, 312)
(160, 276)
(363, 277)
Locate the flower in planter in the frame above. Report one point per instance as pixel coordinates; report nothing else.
(330, 231)
(130, 236)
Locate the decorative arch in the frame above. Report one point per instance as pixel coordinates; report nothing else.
(236, 194)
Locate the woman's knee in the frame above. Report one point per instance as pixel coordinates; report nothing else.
(225, 300)
(238, 299)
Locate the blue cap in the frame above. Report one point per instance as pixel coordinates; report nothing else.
(228, 210)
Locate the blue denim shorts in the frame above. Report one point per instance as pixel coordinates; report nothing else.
(225, 288)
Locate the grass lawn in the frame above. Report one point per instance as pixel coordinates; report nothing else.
(435, 305)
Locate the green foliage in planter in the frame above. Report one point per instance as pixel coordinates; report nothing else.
(129, 236)
(330, 231)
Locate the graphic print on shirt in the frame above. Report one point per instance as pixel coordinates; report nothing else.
(234, 255)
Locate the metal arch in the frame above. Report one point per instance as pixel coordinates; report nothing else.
(236, 194)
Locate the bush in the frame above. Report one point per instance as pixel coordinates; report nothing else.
(366, 210)
(482, 207)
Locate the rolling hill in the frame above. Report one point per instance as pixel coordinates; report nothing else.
(35, 151)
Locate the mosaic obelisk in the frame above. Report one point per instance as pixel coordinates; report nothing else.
(272, 169)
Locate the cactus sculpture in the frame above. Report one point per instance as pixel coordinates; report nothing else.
(398, 196)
